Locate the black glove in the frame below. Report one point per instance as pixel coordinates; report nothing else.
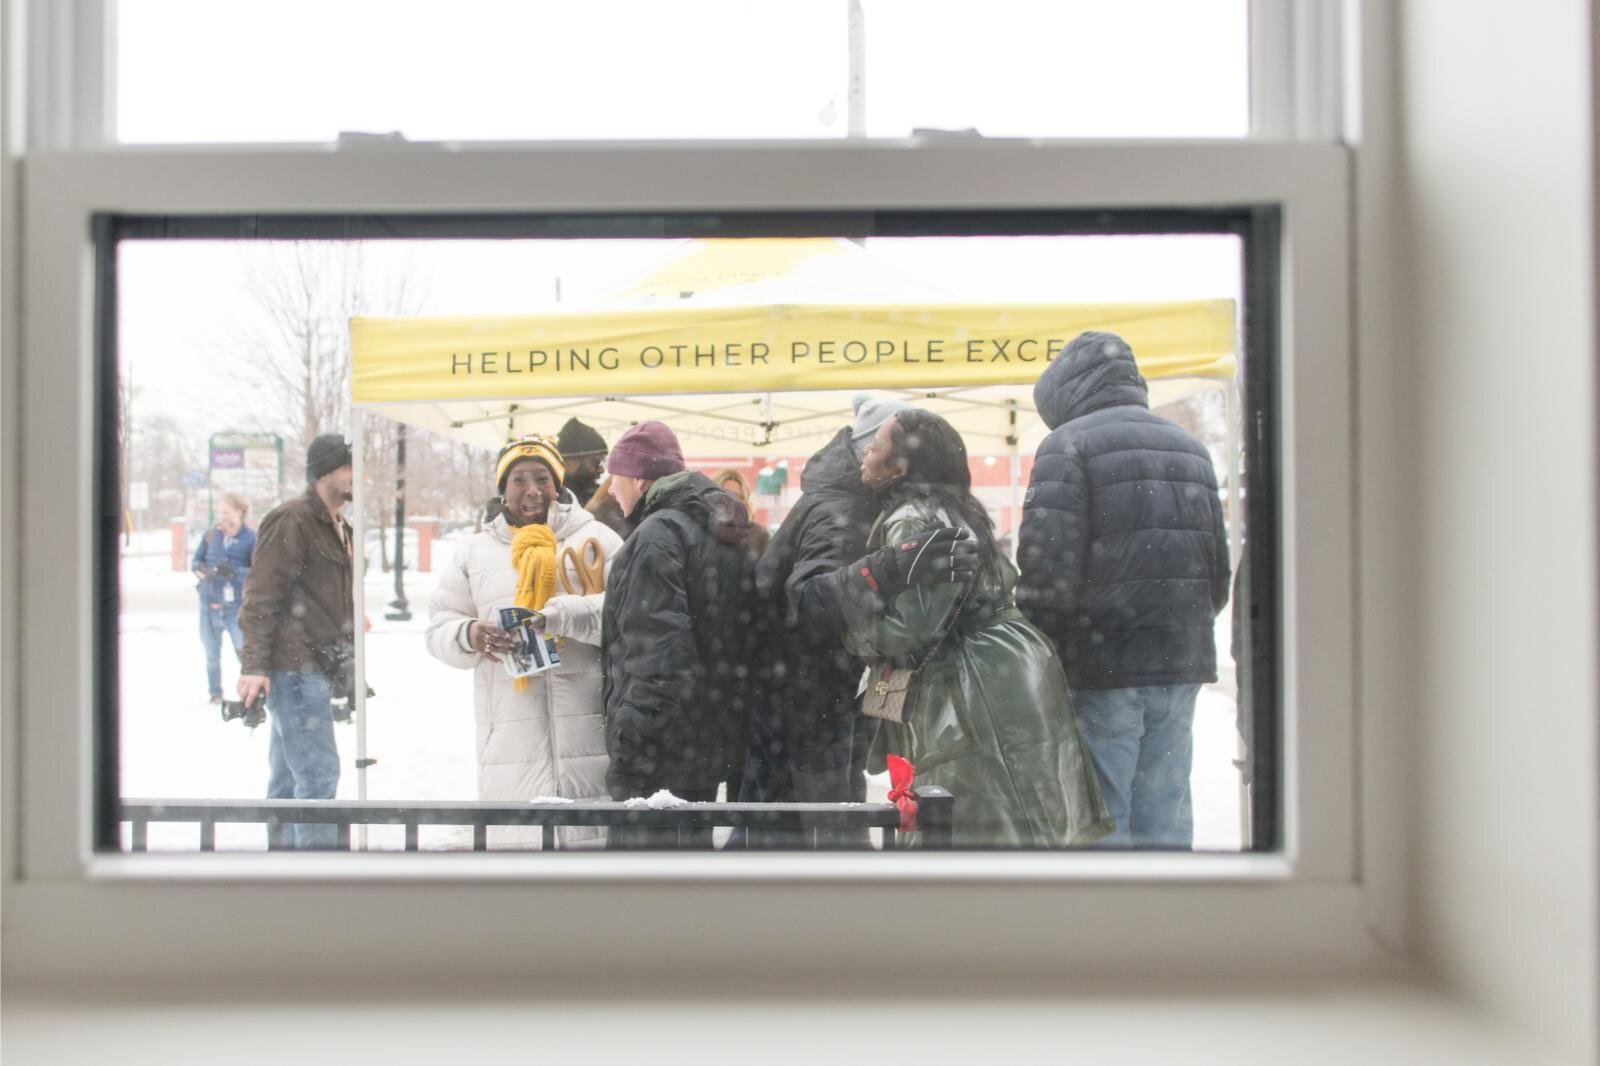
(930, 555)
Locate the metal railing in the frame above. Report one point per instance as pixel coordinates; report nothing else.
(688, 825)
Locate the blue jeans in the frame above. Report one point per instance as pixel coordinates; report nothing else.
(215, 621)
(1142, 744)
(302, 761)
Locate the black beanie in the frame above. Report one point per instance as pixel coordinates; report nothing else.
(327, 453)
(576, 439)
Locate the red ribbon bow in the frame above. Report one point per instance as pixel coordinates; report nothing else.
(901, 774)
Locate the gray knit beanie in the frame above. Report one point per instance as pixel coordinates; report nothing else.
(871, 412)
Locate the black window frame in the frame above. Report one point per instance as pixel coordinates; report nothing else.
(1258, 226)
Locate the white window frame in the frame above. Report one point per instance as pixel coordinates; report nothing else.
(69, 910)
(55, 527)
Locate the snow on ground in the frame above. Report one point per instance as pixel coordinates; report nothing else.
(174, 744)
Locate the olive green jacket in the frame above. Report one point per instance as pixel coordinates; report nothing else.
(990, 716)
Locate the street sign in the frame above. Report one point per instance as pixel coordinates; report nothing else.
(249, 464)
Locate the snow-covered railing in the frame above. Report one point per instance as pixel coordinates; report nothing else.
(764, 824)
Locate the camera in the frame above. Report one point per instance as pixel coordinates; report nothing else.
(339, 666)
(222, 570)
(342, 709)
(253, 715)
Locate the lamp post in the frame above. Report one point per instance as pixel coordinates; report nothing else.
(402, 609)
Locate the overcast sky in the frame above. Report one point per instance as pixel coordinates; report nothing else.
(289, 70)
(275, 70)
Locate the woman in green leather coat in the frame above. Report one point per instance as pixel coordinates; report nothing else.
(989, 717)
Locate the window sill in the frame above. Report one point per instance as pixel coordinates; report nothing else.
(1323, 1022)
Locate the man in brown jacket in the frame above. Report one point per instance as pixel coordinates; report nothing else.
(298, 622)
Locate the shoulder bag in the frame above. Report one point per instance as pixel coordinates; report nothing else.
(890, 690)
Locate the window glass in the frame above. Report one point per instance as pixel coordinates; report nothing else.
(1012, 68)
(477, 70)
(234, 359)
(297, 70)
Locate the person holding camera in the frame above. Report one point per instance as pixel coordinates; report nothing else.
(538, 735)
(221, 563)
(299, 631)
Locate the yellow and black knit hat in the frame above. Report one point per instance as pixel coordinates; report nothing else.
(537, 446)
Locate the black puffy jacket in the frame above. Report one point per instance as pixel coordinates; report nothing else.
(1123, 552)
(676, 631)
(802, 729)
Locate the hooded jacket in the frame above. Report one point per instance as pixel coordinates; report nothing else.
(1122, 549)
(677, 627)
(546, 740)
(801, 731)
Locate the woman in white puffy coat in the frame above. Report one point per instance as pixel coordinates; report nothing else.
(545, 739)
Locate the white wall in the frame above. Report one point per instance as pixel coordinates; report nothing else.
(1495, 105)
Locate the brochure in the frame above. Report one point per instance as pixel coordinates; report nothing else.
(532, 652)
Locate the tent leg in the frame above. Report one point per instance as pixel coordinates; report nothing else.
(358, 695)
(1230, 408)
(1013, 443)
(1230, 412)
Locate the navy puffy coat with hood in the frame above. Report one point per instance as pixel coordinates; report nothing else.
(1123, 553)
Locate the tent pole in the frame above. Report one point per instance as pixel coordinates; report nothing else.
(1013, 442)
(1235, 549)
(1230, 409)
(358, 694)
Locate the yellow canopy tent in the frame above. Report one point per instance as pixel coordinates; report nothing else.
(776, 377)
(752, 343)
(745, 345)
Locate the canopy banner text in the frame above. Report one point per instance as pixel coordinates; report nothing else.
(769, 348)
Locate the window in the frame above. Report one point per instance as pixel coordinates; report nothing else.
(232, 355)
(63, 898)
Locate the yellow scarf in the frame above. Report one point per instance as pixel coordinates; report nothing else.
(533, 553)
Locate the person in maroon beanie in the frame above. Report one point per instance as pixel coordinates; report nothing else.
(683, 626)
(675, 631)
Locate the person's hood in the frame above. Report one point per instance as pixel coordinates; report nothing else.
(1095, 371)
(565, 518)
(718, 510)
(834, 468)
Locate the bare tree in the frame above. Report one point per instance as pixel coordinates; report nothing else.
(293, 361)
(445, 479)
(157, 450)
